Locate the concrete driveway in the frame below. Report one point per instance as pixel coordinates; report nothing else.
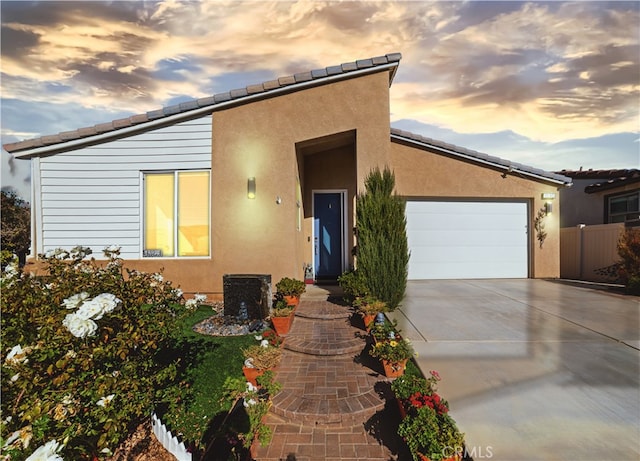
(532, 369)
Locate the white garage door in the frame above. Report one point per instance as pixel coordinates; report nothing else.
(460, 240)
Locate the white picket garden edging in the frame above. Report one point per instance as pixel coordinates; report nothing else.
(169, 441)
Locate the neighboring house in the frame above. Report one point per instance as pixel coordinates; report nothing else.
(595, 211)
(601, 197)
(263, 179)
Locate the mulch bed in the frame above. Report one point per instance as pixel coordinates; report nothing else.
(142, 445)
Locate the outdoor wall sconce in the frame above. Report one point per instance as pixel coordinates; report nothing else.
(251, 188)
(548, 208)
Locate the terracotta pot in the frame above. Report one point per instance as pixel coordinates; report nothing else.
(368, 320)
(252, 453)
(401, 409)
(394, 369)
(282, 324)
(292, 300)
(251, 374)
(451, 458)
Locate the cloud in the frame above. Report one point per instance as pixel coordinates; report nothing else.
(545, 70)
(572, 154)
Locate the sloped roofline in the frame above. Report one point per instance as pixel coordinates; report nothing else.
(473, 156)
(105, 132)
(599, 174)
(631, 176)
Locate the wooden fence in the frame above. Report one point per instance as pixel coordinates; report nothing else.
(585, 249)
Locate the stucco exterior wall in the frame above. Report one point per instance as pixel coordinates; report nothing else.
(258, 139)
(261, 236)
(423, 174)
(581, 208)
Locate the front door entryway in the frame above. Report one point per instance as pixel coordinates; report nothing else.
(328, 234)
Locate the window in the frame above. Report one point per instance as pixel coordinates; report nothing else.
(176, 214)
(624, 207)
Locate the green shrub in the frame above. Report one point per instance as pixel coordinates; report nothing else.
(382, 250)
(629, 265)
(290, 287)
(256, 403)
(353, 286)
(16, 225)
(431, 434)
(83, 353)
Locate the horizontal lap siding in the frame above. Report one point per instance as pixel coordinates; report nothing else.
(92, 196)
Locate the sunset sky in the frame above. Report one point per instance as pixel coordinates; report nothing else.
(554, 85)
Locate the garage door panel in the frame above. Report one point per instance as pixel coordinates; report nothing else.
(470, 271)
(476, 238)
(467, 239)
(441, 255)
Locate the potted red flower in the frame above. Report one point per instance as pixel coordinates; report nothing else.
(427, 428)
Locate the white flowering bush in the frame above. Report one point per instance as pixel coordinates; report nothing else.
(194, 302)
(86, 354)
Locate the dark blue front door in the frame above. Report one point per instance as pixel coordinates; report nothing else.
(327, 208)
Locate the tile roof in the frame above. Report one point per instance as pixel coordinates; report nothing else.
(597, 174)
(478, 157)
(626, 178)
(206, 105)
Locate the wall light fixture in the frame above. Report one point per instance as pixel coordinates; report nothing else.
(251, 188)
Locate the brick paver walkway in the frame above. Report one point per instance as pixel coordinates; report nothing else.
(332, 405)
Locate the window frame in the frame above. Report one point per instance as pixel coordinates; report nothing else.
(143, 203)
(627, 195)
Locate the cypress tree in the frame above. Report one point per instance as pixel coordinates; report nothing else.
(383, 250)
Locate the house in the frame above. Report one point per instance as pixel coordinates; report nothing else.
(601, 197)
(595, 212)
(263, 180)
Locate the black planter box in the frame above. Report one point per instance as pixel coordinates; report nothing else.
(247, 295)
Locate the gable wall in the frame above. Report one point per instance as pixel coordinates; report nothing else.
(259, 140)
(422, 174)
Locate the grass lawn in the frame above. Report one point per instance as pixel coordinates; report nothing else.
(196, 405)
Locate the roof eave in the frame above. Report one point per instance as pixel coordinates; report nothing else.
(608, 186)
(507, 168)
(100, 138)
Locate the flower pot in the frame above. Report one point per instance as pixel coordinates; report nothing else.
(401, 409)
(282, 324)
(252, 452)
(292, 300)
(251, 374)
(368, 320)
(394, 369)
(451, 458)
